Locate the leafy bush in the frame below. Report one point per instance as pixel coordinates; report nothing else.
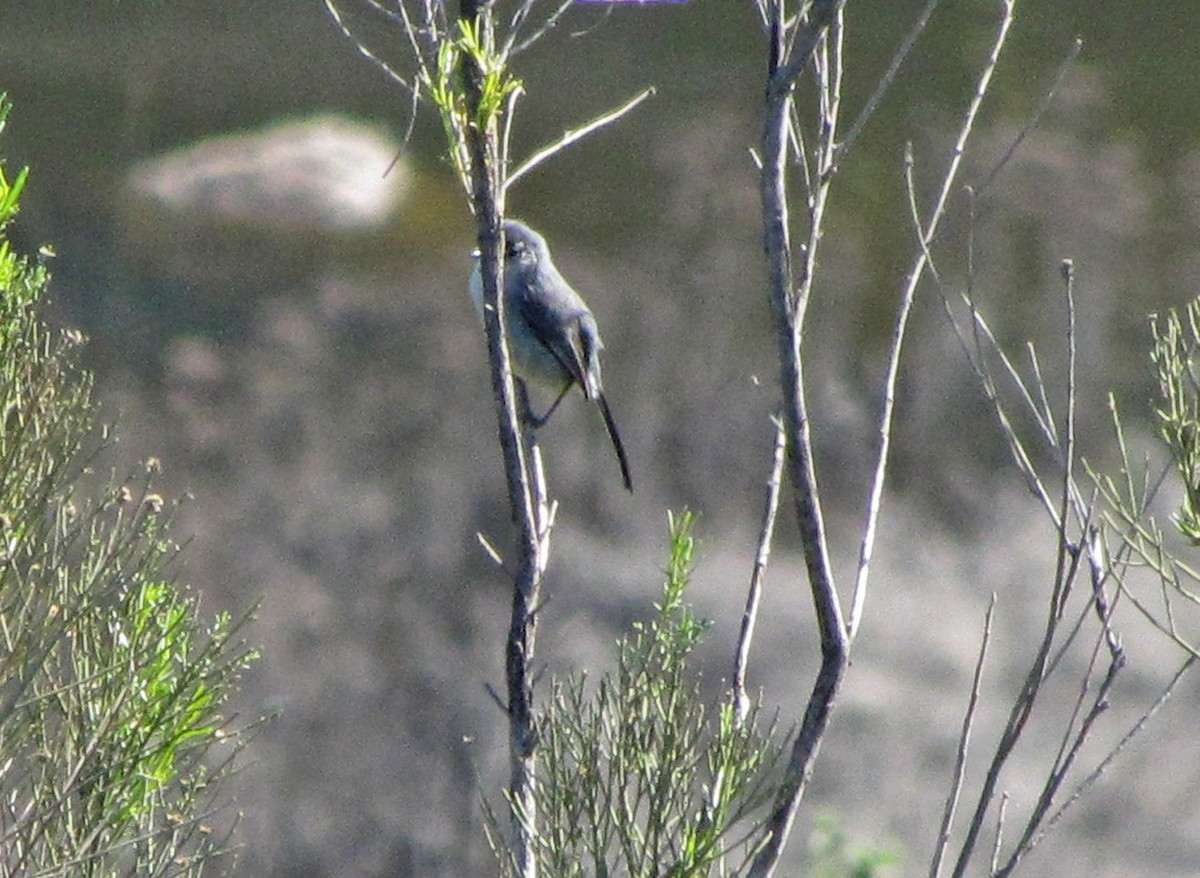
(112, 738)
(637, 773)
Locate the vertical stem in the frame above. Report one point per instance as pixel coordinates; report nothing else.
(741, 701)
(787, 309)
(926, 238)
(526, 488)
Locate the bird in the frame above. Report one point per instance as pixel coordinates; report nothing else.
(553, 338)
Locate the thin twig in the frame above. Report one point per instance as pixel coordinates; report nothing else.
(884, 430)
(981, 332)
(1067, 443)
(394, 17)
(1031, 836)
(1096, 563)
(491, 690)
(998, 841)
(1019, 714)
(551, 21)
(1043, 413)
(1107, 761)
(960, 753)
(515, 22)
(490, 548)
(885, 81)
(1034, 118)
(336, 14)
(510, 115)
(411, 32)
(574, 136)
(798, 144)
(741, 701)
(788, 308)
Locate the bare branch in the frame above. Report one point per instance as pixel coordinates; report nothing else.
(506, 140)
(884, 432)
(1096, 561)
(805, 37)
(973, 346)
(1034, 118)
(523, 472)
(1043, 413)
(788, 308)
(771, 511)
(1001, 814)
(490, 548)
(1067, 566)
(1133, 732)
(1054, 781)
(960, 753)
(574, 136)
(363, 50)
(550, 22)
(1023, 704)
(514, 25)
(491, 690)
(885, 81)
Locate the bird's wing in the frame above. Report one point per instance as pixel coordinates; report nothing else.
(562, 333)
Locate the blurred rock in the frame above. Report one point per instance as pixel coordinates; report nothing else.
(326, 172)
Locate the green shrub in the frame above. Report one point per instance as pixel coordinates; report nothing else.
(637, 773)
(112, 740)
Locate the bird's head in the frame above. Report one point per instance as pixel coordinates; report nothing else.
(523, 243)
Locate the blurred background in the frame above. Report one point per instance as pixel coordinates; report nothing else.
(312, 377)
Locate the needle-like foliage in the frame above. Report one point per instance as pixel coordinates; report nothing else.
(113, 740)
(639, 774)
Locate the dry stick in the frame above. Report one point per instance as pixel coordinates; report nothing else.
(514, 26)
(1023, 707)
(526, 490)
(1035, 117)
(411, 31)
(575, 135)
(973, 351)
(1043, 413)
(422, 68)
(981, 331)
(1095, 556)
(741, 702)
(1030, 836)
(1018, 716)
(1099, 770)
(1001, 813)
(1153, 619)
(551, 20)
(1073, 633)
(1067, 443)
(1067, 561)
(885, 81)
(336, 14)
(788, 317)
(1106, 636)
(960, 753)
(884, 432)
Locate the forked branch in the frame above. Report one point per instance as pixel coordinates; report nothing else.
(792, 47)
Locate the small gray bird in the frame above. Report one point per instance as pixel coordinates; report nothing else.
(552, 334)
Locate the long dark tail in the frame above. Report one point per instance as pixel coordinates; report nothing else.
(611, 426)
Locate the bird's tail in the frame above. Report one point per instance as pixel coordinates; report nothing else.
(611, 426)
